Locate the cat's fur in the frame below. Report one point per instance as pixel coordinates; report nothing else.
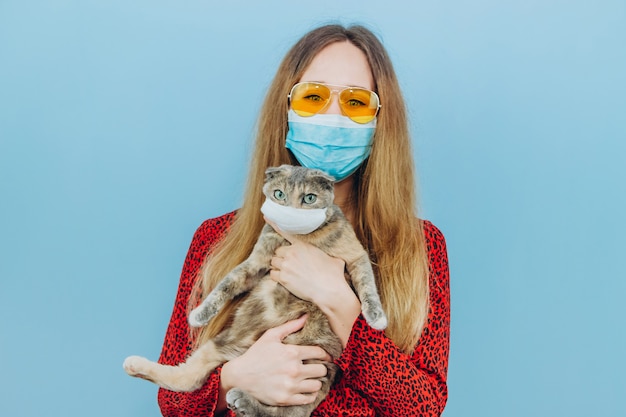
(269, 304)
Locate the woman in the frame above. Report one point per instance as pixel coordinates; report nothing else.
(399, 372)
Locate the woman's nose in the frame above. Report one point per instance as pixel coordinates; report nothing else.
(333, 106)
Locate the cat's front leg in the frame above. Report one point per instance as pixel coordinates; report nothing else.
(236, 282)
(364, 283)
(240, 280)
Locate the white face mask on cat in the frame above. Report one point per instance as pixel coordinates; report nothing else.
(293, 220)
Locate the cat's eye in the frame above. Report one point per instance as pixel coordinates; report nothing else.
(279, 195)
(309, 199)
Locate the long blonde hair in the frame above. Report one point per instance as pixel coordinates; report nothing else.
(384, 192)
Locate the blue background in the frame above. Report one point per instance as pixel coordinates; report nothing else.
(123, 125)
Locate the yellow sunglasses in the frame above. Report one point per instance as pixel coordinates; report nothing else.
(309, 98)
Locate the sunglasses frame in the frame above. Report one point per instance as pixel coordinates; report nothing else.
(334, 90)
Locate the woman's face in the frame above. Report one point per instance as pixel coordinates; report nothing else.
(340, 63)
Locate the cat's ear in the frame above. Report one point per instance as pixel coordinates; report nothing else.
(322, 177)
(272, 172)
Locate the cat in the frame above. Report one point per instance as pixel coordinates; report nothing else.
(269, 304)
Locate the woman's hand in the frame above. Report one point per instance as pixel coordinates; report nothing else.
(312, 275)
(308, 273)
(273, 372)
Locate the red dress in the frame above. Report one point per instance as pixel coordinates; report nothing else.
(378, 378)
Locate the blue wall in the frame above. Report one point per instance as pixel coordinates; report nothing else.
(124, 124)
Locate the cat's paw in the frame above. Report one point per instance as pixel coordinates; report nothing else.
(240, 402)
(195, 319)
(200, 316)
(376, 318)
(136, 366)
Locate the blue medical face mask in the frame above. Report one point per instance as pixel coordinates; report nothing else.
(329, 142)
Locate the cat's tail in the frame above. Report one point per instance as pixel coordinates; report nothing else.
(185, 377)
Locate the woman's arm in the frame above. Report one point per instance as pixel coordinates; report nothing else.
(294, 265)
(393, 382)
(177, 344)
(376, 373)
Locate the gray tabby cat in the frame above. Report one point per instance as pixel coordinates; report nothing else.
(269, 304)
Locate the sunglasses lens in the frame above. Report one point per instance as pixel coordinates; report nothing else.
(308, 99)
(358, 104)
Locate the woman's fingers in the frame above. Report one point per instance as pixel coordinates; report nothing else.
(313, 370)
(302, 399)
(301, 353)
(309, 386)
(313, 352)
(285, 329)
(276, 262)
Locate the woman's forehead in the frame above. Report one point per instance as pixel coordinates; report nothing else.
(340, 63)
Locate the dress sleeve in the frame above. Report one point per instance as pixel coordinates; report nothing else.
(178, 344)
(394, 383)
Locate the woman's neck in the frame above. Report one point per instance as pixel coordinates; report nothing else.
(344, 197)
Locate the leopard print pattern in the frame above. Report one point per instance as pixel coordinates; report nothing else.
(371, 365)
